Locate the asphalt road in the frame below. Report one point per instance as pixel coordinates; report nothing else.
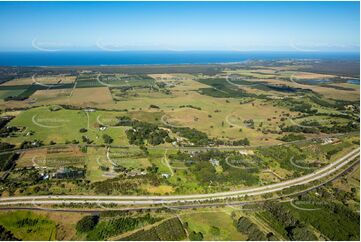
(149, 200)
(175, 207)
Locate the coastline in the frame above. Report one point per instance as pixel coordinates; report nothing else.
(156, 58)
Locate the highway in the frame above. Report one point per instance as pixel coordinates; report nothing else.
(154, 200)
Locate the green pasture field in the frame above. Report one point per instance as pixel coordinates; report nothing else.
(211, 119)
(322, 120)
(120, 95)
(46, 125)
(7, 93)
(203, 221)
(206, 103)
(125, 80)
(96, 157)
(132, 158)
(184, 91)
(73, 121)
(261, 74)
(28, 226)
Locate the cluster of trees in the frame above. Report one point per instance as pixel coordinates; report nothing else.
(248, 177)
(194, 136)
(349, 127)
(190, 106)
(29, 222)
(181, 156)
(107, 139)
(83, 130)
(153, 169)
(24, 178)
(201, 139)
(169, 230)
(316, 127)
(7, 131)
(161, 84)
(195, 236)
(284, 155)
(104, 168)
(321, 102)
(245, 225)
(123, 184)
(299, 129)
(31, 144)
(86, 139)
(249, 123)
(302, 107)
(341, 104)
(205, 172)
(142, 131)
(296, 230)
(115, 185)
(337, 104)
(8, 161)
(6, 235)
(334, 218)
(5, 120)
(15, 98)
(333, 151)
(292, 137)
(124, 121)
(336, 221)
(115, 226)
(153, 106)
(215, 231)
(282, 88)
(74, 141)
(87, 223)
(6, 146)
(240, 142)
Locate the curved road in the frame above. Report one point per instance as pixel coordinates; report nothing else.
(136, 200)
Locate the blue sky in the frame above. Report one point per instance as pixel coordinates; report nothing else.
(241, 26)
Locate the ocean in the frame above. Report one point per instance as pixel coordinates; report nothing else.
(97, 58)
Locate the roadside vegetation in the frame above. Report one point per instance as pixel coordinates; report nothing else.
(176, 130)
